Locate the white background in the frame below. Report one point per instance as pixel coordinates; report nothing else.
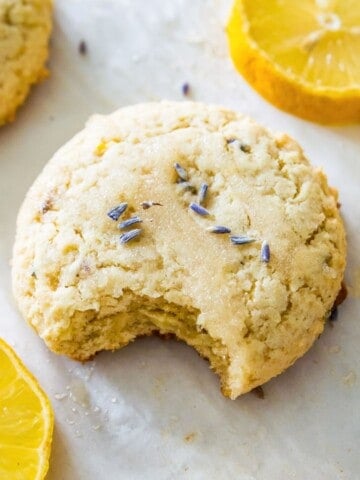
(153, 410)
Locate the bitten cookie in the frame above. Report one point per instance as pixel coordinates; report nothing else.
(25, 27)
(181, 218)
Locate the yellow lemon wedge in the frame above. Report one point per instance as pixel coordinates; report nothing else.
(26, 421)
(304, 57)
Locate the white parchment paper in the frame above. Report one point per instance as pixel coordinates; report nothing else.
(153, 410)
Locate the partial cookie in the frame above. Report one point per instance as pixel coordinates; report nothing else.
(25, 27)
(251, 296)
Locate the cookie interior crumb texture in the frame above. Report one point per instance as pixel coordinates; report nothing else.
(25, 27)
(83, 291)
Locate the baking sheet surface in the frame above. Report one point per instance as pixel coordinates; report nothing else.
(153, 409)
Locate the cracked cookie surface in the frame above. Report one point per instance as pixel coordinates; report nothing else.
(25, 27)
(83, 291)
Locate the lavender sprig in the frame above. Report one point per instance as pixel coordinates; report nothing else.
(195, 207)
(218, 229)
(116, 212)
(265, 252)
(129, 221)
(130, 235)
(202, 193)
(241, 239)
(182, 173)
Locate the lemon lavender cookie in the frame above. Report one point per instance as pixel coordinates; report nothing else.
(187, 219)
(25, 27)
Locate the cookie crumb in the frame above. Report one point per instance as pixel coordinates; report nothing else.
(349, 379)
(245, 148)
(60, 396)
(190, 437)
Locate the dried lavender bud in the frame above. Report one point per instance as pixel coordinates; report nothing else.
(185, 88)
(130, 235)
(129, 222)
(195, 207)
(218, 229)
(202, 192)
(241, 239)
(183, 175)
(265, 252)
(116, 212)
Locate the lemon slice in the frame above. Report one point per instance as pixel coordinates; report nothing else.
(304, 56)
(26, 421)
